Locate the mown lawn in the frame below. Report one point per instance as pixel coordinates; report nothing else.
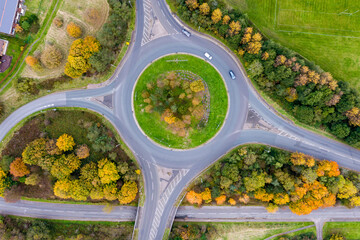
(324, 31)
(350, 230)
(157, 129)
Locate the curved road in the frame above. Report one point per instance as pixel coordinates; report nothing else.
(168, 171)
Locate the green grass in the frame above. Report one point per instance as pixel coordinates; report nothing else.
(324, 31)
(350, 230)
(248, 230)
(63, 229)
(308, 230)
(156, 129)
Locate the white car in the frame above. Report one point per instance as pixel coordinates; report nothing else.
(208, 56)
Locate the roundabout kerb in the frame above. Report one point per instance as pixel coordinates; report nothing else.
(133, 96)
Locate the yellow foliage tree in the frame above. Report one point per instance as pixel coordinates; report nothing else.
(73, 30)
(281, 198)
(192, 4)
(235, 28)
(197, 86)
(216, 15)
(226, 19)
(128, 192)
(262, 195)
(3, 184)
(65, 142)
(206, 195)
(354, 116)
(348, 190)
(204, 9)
(272, 208)
(62, 188)
(107, 171)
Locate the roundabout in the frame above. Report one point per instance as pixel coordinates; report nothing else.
(180, 101)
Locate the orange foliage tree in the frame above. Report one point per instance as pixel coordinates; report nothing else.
(328, 168)
(220, 200)
(18, 168)
(194, 198)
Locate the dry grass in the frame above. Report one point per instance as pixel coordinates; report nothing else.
(70, 11)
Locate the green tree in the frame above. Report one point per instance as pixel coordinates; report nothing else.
(65, 165)
(38, 231)
(5, 162)
(255, 181)
(341, 130)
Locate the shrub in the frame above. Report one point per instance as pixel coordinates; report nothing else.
(58, 22)
(73, 30)
(51, 57)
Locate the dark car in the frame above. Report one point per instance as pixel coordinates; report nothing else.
(186, 32)
(232, 74)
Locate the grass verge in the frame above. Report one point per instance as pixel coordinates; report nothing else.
(350, 230)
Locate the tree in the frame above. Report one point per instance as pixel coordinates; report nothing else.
(79, 191)
(232, 201)
(89, 173)
(97, 194)
(347, 190)
(304, 114)
(281, 198)
(58, 22)
(18, 168)
(341, 130)
(226, 19)
(254, 182)
(216, 15)
(65, 142)
(225, 182)
(128, 192)
(194, 198)
(220, 200)
(354, 116)
(33, 179)
(255, 68)
(31, 61)
(328, 168)
(204, 9)
(52, 148)
(5, 162)
(230, 171)
(73, 30)
(101, 60)
(3, 182)
(192, 4)
(82, 151)
(62, 188)
(197, 86)
(65, 165)
(235, 28)
(35, 154)
(206, 195)
(51, 57)
(38, 231)
(272, 208)
(107, 171)
(262, 195)
(110, 192)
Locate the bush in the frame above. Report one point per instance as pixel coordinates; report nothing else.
(58, 22)
(73, 30)
(51, 57)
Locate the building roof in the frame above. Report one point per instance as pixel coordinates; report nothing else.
(3, 47)
(8, 10)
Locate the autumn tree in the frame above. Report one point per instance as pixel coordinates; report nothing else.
(272, 208)
(65, 165)
(62, 188)
(65, 142)
(220, 200)
(97, 194)
(194, 198)
(31, 61)
(206, 195)
(226, 19)
(52, 148)
(354, 116)
(82, 151)
(281, 199)
(216, 15)
(262, 195)
(18, 168)
(78, 190)
(347, 190)
(110, 191)
(73, 30)
(197, 86)
(35, 154)
(192, 4)
(128, 192)
(33, 179)
(235, 28)
(232, 201)
(107, 171)
(89, 173)
(80, 52)
(51, 57)
(204, 9)
(254, 182)
(328, 168)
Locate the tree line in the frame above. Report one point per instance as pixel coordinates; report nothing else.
(276, 178)
(307, 92)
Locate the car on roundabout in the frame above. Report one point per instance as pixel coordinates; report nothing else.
(208, 56)
(232, 74)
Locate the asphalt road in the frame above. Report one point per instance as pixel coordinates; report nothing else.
(159, 209)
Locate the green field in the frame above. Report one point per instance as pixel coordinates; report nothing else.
(326, 32)
(350, 230)
(157, 129)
